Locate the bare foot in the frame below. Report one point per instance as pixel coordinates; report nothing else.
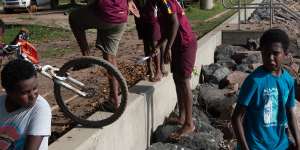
(184, 131)
(174, 120)
(165, 73)
(156, 78)
(150, 74)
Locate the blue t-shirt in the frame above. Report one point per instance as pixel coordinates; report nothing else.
(267, 97)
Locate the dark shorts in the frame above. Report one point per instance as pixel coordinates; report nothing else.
(149, 31)
(183, 58)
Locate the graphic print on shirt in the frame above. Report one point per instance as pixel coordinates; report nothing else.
(270, 98)
(8, 137)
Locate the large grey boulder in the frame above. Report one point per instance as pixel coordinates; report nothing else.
(244, 68)
(224, 52)
(253, 58)
(236, 77)
(216, 102)
(214, 73)
(162, 133)
(205, 137)
(228, 63)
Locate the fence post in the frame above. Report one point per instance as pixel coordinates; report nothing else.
(206, 4)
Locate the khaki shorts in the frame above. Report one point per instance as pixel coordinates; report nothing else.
(108, 34)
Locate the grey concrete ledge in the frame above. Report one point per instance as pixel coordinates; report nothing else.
(148, 105)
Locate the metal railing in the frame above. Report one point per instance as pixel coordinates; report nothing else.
(265, 5)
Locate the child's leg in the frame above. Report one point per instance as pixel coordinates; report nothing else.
(158, 74)
(185, 108)
(147, 52)
(108, 38)
(183, 60)
(188, 104)
(181, 118)
(162, 66)
(113, 83)
(79, 22)
(185, 100)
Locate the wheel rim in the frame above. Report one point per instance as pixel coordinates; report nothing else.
(82, 120)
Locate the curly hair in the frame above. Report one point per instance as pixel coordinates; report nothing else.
(273, 36)
(16, 71)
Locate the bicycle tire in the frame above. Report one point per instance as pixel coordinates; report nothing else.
(114, 71)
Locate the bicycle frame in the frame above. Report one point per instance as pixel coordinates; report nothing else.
(30, 54)
(49, 72)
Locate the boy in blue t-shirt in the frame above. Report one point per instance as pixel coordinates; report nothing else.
(266, 101)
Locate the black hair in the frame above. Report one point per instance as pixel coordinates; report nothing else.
(2, 25)
(16, 71)
(274, 36)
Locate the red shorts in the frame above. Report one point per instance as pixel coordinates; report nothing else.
(183, 58)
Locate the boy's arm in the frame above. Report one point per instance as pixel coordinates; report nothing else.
(293, 125)
(237, 123)
(133, 9)
(39, 126)
(174, 25)
(33, 142)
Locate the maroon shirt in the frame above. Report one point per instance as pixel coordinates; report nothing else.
(148, 12)
(184, 33)
(113, 11)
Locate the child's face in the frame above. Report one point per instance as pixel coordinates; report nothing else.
(25, 93)
(273, 56)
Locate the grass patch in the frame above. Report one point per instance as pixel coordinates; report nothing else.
(201, 28)
(25, 17)
(199, 16)
(55, 52)
(195, 13)
(38, 34)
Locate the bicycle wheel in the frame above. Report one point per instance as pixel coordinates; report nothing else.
(94, 74)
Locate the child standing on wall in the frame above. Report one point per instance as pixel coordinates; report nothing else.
(266, 102)
(180, 50)
(149, 31)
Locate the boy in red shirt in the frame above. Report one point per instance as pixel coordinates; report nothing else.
(149, 31)
(109, 18)
(180, 50)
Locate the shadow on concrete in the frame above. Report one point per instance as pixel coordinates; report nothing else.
(148, 92)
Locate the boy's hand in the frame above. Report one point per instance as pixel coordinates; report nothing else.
(167, 56)
(133, 9)
(154, 52)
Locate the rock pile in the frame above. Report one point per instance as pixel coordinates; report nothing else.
(214, 101)
(281, 18)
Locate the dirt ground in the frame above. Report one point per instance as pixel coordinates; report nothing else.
(130, 50)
